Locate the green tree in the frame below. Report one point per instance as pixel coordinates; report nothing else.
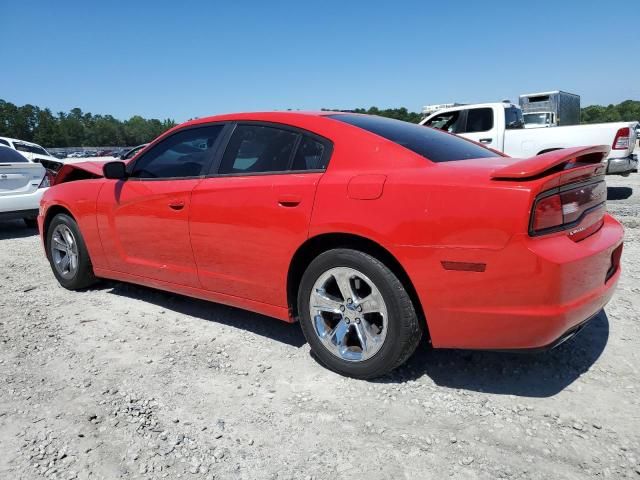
(47, 131)
(76, 128)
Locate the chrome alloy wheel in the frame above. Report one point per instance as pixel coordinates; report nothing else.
(348, 313)
(64, 251)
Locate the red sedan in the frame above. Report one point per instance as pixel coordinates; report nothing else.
(371, 232)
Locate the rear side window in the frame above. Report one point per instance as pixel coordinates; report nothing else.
(258, 149)
(479, 120)
(9, 155)
(432, 144)
(310, 155)
(4, 142)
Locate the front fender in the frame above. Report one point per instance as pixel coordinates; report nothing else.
(79, 200)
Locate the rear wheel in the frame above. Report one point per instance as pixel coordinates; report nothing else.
(68, 254)
(356, 314)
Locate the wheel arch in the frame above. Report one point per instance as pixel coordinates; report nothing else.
(316, 245)
(52, 211)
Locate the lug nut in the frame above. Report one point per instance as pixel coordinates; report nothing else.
(347, 321)
(359, 308)
(358, 321)
(349, 301)
(342, 308)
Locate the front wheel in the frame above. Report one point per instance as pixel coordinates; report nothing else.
(68, 253)
(356, 314)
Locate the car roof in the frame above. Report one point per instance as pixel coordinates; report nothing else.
(273, 116)
(18, 140)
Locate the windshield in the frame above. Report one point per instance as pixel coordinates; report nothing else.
(26, 147)
(432, 144)
(535, 118)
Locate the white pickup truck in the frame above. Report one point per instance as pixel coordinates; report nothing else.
(500, 126)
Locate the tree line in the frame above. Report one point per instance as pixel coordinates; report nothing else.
(627, 111)
(76, 128)
(79, 129)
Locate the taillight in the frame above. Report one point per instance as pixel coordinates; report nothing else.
(547, 213)
(621, 141)
(567, 208)
(47, 180)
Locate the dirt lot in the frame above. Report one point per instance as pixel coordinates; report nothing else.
(127, 382)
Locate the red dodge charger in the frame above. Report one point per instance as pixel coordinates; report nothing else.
(371, 232)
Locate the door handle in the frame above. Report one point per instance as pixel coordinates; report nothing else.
(486, 140)
(176, 205)
(289, 200)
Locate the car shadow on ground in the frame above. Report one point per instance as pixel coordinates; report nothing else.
(15, 229)
(619, 193)
(210, 311)
(542, 374)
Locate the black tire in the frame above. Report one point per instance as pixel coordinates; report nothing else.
(83, 276)
(403, 326)
(30, 222)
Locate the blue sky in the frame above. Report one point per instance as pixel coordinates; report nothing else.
(197, 58)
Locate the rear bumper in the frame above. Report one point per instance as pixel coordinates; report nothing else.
(531, 295)
(18, 214)
(18, 206)
(622, 166)
(569, 334)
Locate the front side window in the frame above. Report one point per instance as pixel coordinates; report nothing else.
(447, 121)
(479, 120)
(183, 154)
(258, 149)
(4, 142)
(513, 118)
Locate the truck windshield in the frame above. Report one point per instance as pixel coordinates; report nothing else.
(535, 118)
(430, 143)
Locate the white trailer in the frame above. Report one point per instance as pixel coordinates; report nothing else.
(550, 109)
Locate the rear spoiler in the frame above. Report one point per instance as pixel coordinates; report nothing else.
(541, 164)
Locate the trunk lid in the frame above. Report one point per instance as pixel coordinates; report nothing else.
(20, 178)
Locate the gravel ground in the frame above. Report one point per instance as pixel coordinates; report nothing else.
(123, 381)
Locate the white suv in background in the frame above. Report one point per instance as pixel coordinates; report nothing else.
(22, 183)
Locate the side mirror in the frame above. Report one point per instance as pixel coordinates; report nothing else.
(115, 170)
